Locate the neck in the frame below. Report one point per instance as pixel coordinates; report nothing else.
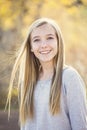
(47, 70)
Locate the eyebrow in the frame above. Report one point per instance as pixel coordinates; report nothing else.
(39, 36)
(35, 37)
(50, 34)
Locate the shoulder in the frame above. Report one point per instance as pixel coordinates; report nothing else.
(70, 72)
(72, 80)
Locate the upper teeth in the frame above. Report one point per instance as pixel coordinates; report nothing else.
(44, 52)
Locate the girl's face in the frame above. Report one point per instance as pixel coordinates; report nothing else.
(44, 43)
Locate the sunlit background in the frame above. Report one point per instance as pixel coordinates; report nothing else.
(17, 15)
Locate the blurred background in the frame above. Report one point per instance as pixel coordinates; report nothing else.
(15, 18)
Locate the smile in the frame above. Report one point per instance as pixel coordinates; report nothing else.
(45, 52)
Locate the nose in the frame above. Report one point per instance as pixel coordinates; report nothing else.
(43, 43)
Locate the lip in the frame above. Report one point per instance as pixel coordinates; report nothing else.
(45, 52)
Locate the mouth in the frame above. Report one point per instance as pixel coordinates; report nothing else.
(45, 51)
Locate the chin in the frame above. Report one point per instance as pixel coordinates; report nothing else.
(46, 60)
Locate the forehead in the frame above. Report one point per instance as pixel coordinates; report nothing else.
(43, 29)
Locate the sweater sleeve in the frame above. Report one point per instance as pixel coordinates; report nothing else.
(76, 100)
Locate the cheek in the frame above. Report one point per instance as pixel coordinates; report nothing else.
(56, 48)
(34, 48)
(55, 45)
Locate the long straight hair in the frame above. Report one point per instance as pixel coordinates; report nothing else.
(28, 66)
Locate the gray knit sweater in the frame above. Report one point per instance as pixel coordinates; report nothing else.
(73, 115)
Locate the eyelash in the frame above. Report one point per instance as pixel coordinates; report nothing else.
(36, 40)
(49, 38)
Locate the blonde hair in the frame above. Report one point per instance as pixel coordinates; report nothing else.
(28, 67)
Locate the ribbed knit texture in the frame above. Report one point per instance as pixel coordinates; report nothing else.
(73, 115)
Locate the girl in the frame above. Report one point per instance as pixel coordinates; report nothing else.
(52, 95)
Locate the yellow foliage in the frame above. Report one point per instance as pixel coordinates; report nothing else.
(84, 1)
(52, 4)
(27, 20)
(73, 11)
(35, 1)
(5, 9)
(66, 2)
(8, 23)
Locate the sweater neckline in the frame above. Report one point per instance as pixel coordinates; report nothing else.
(49, 79)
